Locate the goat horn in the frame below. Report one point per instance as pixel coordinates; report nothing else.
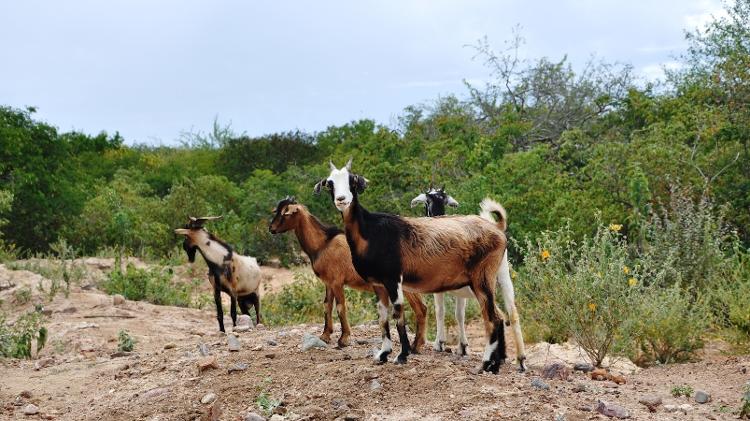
(349, 164)
(330, 163)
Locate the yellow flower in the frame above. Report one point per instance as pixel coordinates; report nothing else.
(625, 270)
(513, 274)
(592, 307)
(632, 282)
(615, 227)
(545, 254)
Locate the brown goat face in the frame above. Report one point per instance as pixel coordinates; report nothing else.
(343, 185)
(284, 218)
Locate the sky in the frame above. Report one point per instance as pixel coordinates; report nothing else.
(152, 70)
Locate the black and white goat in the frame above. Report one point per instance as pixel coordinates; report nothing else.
(435, 201)
(237, 275)
(424, 255)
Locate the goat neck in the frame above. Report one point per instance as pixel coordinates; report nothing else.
(311, 233)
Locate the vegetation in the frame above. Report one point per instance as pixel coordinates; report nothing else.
(154, 285)
(17, 339)
(125, 342)
(685, 390)
(664, 168)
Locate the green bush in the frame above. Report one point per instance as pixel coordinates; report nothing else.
(586, 291)
(22, 295)
(153, 285)
(667, 326)
(125, 342)
(731, 296)
(16, 340)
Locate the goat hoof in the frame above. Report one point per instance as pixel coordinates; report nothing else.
(401, 359)
(462, 349)
(522, 364)
(343, 342)
(416, 349)
(439, 346)
(492, 366)
(325, 338)
(382, 358)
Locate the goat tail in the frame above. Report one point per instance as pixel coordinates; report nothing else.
(489, 207)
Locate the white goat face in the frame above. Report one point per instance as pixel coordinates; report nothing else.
(343, 185)
(338, 180)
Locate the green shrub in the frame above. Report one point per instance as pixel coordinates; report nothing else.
(153, 285)
(16, 340)
(22, 295)
(125, 342)
(684, 390)
(585, 291)
(731, 296)
(667, 326)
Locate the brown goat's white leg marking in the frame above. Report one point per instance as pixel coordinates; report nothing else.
(439, 344)
(386, 346)
(506, 288)
(463, 342)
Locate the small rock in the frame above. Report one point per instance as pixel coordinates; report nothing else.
(30, 409)
(617, 379)
(585, 367)
(207, 363)
(208, 398)
(260, 326)
(69, 310)
(612, 410)
(120, 354)
(684, 408)
(257, 348)
(556, 370)
(651, 402)
(152, 393)
(560, 417)
(599, 374)
(234, 343)
(118, 300)
(539, 384)
(18, 401)
(170, 345)
(271, 342)
(311, 341)
(580, 387)
(244, 320)
(375, 385)
(277, 417)
(270, 355)
(25, 394)
(252, 416)
(240, 328)
(237, 367)
(203, 349)
(702, 397)
(585, 408)
(42, 363)
(213, 413)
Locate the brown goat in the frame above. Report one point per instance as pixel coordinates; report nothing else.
(331, 261)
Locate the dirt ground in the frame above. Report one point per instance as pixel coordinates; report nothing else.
(85, 379)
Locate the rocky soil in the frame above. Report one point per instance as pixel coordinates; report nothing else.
(183, 369)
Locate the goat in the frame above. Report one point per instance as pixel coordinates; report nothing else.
(435, 200)
(237, 275)
(424, 255)
(331, 261)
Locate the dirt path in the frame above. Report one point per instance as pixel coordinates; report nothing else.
(85, 381)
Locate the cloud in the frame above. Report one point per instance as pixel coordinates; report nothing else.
(657, 71)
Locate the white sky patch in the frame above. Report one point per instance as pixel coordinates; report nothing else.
(654, 72)
(711, 9)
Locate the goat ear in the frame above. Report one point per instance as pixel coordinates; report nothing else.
(331, 166)
(320, 184)
(291, 209)
(349, 164)
(452, 202)
(182, 231)
(422, 198)
(360, 183)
